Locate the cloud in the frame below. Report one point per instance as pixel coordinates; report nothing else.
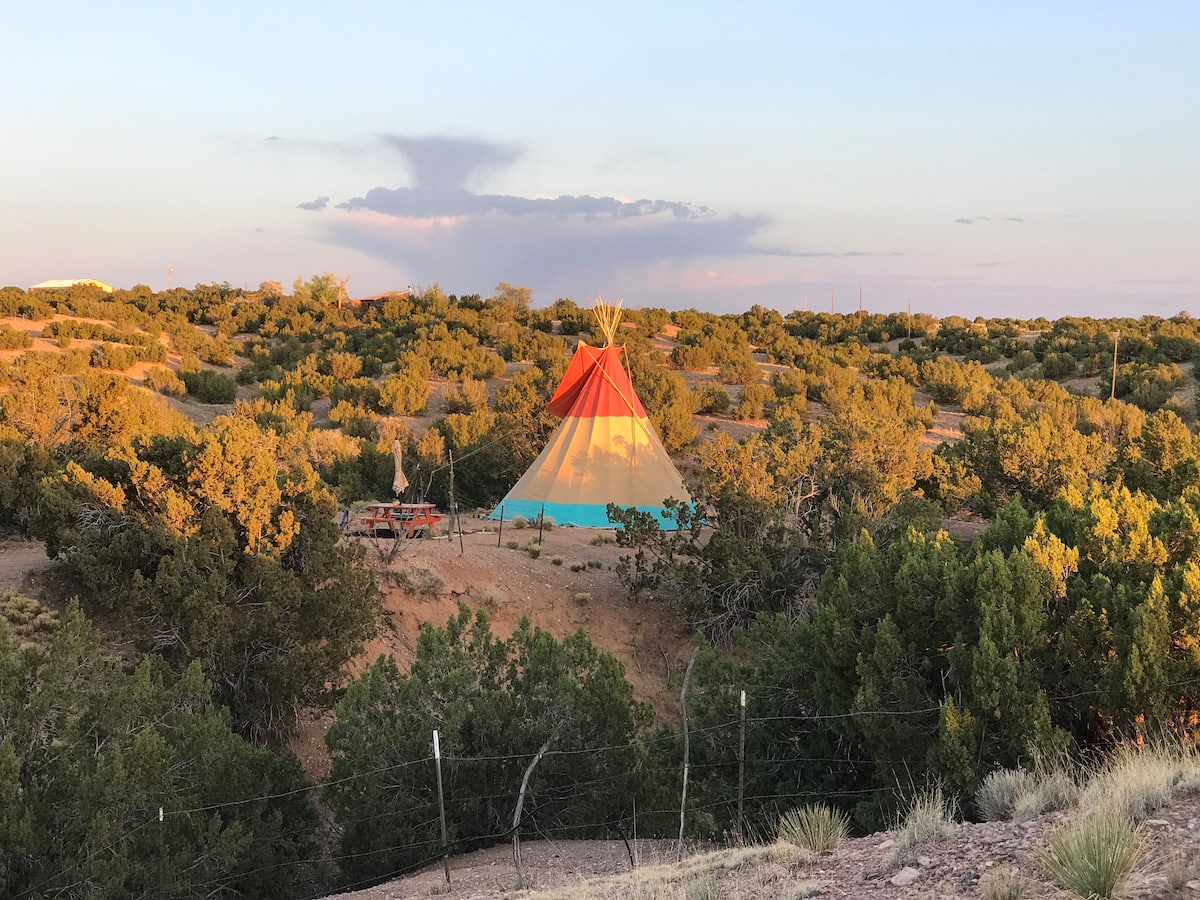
(445, 163)
(429, 202)
(438, 227)
(315, 205)
(976, 219)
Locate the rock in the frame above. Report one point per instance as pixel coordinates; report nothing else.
(906, 876)
(1157, 823)
(1194, 885)
(924, 862)
(886, 845)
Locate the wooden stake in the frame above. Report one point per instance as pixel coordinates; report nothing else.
(687, 676)
(500, 533)
(541, 521)
(741, 767)
(437, 759)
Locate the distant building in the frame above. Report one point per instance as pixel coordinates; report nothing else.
(383, 298)
(64, 283)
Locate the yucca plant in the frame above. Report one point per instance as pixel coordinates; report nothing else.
(814, 827)
(1093, 856)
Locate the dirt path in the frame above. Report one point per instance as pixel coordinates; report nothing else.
(20, 559)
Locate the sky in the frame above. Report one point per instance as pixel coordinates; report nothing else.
(997, 159)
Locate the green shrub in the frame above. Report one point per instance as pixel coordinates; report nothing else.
(534, 551)
(208, 386)
(556, 561)
(1093, 855)
(813, 827)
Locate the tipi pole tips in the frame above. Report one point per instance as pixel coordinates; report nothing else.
(608, 319)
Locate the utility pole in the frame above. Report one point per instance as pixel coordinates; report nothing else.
(806, 302)
(832, 297)
(860, 298)
(909, 319)
(1116, 340)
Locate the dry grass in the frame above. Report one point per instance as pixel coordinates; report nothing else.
(1003, 884)
(1136, 781)
(1001, 791)
(420, 581)
(927, 820)
(768, 869)
(492, 599)
(1020, 795)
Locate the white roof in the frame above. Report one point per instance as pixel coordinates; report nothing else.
(70, 282)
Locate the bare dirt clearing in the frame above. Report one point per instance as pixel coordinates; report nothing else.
(21, 559)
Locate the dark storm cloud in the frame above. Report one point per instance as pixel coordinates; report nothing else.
(430, 202)
(316, 205)
(445, 163)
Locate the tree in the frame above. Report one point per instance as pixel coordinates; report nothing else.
(221, 550)
(495, 703)
(91, 751)
(324, 289)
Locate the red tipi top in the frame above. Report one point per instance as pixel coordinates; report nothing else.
(596, 384)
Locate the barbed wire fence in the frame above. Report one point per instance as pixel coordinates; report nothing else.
(553, 808)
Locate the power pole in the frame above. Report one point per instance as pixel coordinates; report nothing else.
(806, 302)
(1116, 340)
(832, 297)
(860, 298)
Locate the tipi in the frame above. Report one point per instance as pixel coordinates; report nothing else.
(604, 451)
